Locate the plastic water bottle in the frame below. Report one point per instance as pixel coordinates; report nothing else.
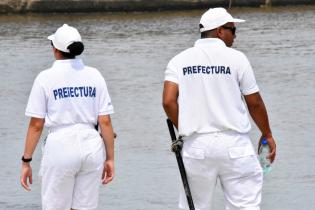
(263, 153)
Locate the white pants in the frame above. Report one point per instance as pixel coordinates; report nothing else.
(229, 156)
(71, 168)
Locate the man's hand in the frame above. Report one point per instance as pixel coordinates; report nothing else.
(26, 175)
(108, 172)
(272, 145)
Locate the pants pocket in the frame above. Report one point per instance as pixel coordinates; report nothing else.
(244, 160)
(194, 153)
(194, 160)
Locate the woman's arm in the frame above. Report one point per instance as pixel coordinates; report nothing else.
(35, 129)
(108, 138)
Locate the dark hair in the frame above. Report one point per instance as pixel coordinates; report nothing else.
(76, 48)
(208, 34)
(204, 34)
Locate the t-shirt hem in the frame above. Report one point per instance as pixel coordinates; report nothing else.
(251, 91)
(171, 79)
(37, 115)
(85, 207)
(106, 112)
(192, 133)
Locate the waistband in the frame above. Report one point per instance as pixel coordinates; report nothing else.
(72, 127)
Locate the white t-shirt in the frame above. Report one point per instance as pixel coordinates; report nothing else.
(69, 93)
(211, 79)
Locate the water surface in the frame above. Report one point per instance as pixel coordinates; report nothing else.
(131, 50)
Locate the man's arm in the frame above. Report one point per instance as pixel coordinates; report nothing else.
(258, 112)
(170, 105)
(108, 138)
(35, 129)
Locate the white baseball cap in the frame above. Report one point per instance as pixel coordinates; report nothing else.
(65, 36)
(215, 18)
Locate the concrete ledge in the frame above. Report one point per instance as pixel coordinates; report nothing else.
(115, 5)
(292, 2)
(43, 6)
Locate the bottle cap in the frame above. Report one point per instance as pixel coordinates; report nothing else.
(264, 141)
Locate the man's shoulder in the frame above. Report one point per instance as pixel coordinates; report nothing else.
(183, 55)
(92, 70)
(237, 53)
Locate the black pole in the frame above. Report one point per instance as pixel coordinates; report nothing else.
(181, 167)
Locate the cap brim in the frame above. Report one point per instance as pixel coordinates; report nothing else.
(235, 20)
(51, 37)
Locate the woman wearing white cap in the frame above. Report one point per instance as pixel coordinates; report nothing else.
(70, 98)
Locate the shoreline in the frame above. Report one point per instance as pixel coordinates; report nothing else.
(78, 6)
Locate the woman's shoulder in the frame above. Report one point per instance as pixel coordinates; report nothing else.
(94, 74)
(45, 74)
(93, 71)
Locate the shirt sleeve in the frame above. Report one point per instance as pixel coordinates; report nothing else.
(247, 79)
(37, 103)
(105, 106)
(171, 73)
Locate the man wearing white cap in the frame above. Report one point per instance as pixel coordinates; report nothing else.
(203, 90)
(70, 99)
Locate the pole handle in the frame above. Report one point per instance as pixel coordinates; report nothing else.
(181, 167)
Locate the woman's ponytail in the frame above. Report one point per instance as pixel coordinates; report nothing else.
(76, 48)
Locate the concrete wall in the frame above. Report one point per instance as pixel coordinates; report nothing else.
(22, 6)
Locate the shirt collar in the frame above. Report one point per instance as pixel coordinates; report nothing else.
(69, 63)
(211, 41)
